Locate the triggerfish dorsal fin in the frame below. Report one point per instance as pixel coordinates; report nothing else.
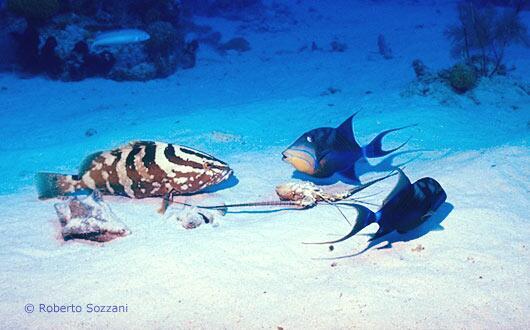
(403, 183)
(364, 218)
(346, 130)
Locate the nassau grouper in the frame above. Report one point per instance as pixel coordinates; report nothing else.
(405, 208)
(324, 151)
(139, 169)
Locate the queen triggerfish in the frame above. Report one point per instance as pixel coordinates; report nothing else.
(139, 169)
(405, 208)
(324, 151)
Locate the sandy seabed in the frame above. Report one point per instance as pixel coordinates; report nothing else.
(467, 267)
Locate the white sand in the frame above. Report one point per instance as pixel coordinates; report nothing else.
(252, 270)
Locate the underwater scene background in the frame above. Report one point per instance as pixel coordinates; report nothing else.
(233, 87)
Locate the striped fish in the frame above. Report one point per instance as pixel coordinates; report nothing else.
(139, 169)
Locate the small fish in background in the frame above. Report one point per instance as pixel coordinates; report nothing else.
(139, 169)
(325, 151)
(405, 208)
(119, 37)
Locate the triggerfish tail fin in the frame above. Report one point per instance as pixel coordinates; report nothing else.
(364, 218)
(375, 148)
(346, 130)
(51, 185)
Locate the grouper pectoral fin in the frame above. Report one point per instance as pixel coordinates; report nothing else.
(375, 148)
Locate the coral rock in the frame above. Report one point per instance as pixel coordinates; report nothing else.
(238, 44)
(384, 48)
(164, 38)
(34, 9)
(89, 218)
(420, 69)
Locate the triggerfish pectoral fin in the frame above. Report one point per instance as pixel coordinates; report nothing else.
(364, 218)
(375, 148)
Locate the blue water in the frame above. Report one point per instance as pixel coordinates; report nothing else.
(45, 120)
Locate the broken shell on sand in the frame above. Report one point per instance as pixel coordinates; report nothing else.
(192, 217)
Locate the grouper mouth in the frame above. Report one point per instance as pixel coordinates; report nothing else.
(301, 159)
(222, 175)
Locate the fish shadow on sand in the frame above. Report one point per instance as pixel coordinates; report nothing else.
(432, 224)
(361, 168)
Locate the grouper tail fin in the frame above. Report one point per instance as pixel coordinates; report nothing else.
(364, 218)
(375, 148)
(51, 185)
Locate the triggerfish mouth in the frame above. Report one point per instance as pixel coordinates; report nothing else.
(120, 37)
(302, 158)
(139, 169)
(324, 151)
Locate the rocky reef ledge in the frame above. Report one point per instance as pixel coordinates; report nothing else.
(72, 40)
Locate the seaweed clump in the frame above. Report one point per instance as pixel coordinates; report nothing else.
(483, 33)
(462, 77)
(479, 42)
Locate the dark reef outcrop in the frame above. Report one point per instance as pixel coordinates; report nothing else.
(54, 37)
(145, 39)
(230, 9)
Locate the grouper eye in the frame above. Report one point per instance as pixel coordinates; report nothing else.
(309, 139)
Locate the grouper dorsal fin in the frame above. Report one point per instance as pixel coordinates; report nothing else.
(402, 184)
(346, 130)
(86, 165)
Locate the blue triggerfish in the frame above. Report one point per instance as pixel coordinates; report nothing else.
(324, 151)
(405, 208)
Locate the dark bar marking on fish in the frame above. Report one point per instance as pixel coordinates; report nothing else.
(192, 152)
(114, 180)
(149, 158)
(132, 173)
(169, 152)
